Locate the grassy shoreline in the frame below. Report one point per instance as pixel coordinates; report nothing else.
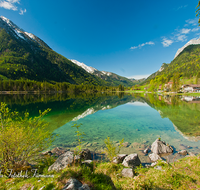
(183, 174)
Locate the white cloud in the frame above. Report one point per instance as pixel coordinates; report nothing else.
(181, 38)
(11, 5)
(195, 29)
(22, 11)
(134, 47)
(143, 44)
(182, 7)
(181, 35)
(8, 5)
(166, 42)
(193, 22)
(185, 30)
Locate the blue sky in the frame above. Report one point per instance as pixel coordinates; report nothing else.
(128, 37)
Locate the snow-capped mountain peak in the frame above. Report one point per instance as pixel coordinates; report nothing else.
(87, 68)
(19, 33)
(106, 73)
(90, 69)
(5, 19)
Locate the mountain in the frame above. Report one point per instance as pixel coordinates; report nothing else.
(152, 76)
(191, 42)
(109, 77)
(186, 62)
(25, 56)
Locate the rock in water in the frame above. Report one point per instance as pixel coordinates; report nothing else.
(154, 157)
(183, 152)
(62, 161)
(160, 147)
(146, 150)
(131, 160)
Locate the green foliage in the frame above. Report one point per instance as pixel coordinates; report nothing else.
(198, 11)
(49, 87)
(21, 138)
(175, 84)
(183, 174)
(121, 87)
(111, 150)
(197, 77)
(79, 136)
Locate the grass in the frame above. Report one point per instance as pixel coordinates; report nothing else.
(183, 174)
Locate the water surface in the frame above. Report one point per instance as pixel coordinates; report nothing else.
(137, 119)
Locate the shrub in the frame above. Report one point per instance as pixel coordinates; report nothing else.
(21, 138)
(111, 150)
(79, 136)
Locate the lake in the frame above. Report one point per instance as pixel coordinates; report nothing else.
(139, 119)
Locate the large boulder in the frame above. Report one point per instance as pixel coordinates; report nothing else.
(68, 158)
(74, 184)
(131, 160)
(62, 161)
(119, 158)
(160, 147)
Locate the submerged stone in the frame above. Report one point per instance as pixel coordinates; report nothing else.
(183, 152)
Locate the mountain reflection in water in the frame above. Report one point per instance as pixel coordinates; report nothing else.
(139, 119)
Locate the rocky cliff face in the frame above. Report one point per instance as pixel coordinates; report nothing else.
(191, 42)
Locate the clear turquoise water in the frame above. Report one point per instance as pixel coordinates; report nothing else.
(138, 123)
(139, 120)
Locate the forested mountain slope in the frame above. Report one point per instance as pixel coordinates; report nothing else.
(186, 64)
(25, 56)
